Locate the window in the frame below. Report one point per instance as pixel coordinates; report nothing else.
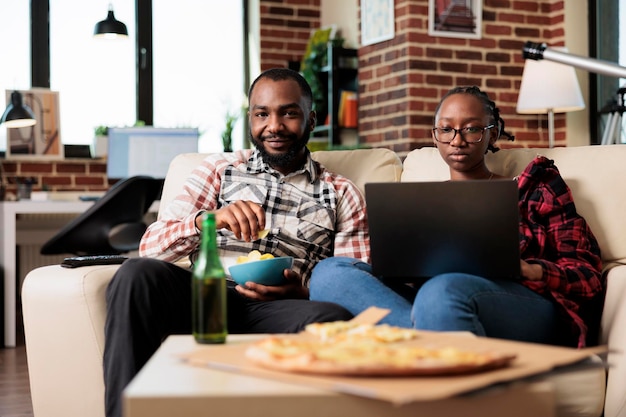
(198, 66)
(95, 77)
(608, 43)
(196, 56)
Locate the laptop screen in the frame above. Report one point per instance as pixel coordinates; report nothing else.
(146, 150)
(422, 229)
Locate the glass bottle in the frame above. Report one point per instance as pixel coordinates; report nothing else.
(208, 291)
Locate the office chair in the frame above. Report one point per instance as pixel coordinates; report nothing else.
(113, 225)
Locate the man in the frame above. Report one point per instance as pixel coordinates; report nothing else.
(311, 213)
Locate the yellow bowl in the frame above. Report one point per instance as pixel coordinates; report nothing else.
(265, 272)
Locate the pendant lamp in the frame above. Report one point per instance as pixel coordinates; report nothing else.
(110, 27)
(17, 114)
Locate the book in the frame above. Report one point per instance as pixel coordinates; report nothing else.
(351, 110)
(347, 112)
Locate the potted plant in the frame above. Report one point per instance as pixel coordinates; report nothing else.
(227, 133)
(100, 142)
(311, 69)
(231, 118)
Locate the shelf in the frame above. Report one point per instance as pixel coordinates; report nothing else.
(341, 74)
(321, 129)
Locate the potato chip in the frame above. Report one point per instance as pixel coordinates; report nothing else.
(254, 255)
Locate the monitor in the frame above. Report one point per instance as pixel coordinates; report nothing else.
(147, 150)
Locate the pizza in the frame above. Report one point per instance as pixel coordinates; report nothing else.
(344, 348)
(341, 330)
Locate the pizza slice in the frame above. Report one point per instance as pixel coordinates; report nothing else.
(344, 330)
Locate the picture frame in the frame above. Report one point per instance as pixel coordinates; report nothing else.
(377, 21)
(42, 140)
(455, 18)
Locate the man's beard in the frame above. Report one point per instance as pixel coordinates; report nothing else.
(284, 160)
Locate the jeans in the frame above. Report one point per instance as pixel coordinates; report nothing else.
(148, 300)
(447, 302)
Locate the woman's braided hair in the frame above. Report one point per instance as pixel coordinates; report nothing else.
(490, 109)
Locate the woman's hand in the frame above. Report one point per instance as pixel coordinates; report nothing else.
(292, 289)
(531, 272)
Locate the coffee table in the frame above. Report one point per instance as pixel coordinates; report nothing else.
(166, 387)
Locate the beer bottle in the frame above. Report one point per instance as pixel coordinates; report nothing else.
(208, 291)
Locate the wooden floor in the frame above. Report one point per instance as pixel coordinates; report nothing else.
(14, 385)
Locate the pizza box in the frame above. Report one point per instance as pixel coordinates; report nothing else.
(531, 360)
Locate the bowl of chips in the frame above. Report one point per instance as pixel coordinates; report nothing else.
(260, 268)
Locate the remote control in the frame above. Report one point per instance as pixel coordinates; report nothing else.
(77, 261)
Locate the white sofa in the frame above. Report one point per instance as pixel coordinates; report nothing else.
(64, 309)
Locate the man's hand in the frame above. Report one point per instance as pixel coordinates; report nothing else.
(244, 218)
(292, 289)
(531, 272)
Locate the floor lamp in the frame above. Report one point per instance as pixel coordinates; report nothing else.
(539, 51)
(549, 87)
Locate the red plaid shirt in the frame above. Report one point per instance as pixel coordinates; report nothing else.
(312, 213)
(555, 236)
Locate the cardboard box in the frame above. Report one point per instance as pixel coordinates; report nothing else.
(531, 360)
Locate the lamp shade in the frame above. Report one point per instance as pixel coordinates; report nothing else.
(549, 86)
(17, 114)
(110, 27)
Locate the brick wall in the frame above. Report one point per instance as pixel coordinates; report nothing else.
(286, 26)
(63, 175)
(401, 80)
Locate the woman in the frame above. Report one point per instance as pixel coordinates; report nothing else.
(557, 299)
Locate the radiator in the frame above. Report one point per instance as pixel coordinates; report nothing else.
(32, 231)
(28, 258)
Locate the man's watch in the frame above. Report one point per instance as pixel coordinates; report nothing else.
(195, 223)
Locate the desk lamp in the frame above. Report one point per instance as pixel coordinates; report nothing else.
(110, 28)
(17, 114)
(549, 87)
(20, 115)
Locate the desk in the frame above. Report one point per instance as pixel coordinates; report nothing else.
(165, 386)
(9, 211)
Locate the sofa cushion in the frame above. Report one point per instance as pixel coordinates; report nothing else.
(360, 165)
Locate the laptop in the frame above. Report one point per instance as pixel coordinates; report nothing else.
(422, 229)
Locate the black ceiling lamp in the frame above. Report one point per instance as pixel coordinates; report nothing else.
(17, 114)
(110, 27)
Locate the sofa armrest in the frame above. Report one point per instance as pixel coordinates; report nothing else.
(613, 334)
(64, 312)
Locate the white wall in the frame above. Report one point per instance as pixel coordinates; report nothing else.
(344, 14)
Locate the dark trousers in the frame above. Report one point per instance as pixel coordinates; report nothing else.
(148, 300)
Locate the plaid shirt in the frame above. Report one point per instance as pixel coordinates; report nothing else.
(312, 214)
(555, 236)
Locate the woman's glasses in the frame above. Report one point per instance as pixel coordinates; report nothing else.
(472, 134)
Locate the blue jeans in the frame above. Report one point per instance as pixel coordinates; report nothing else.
(447, 302)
